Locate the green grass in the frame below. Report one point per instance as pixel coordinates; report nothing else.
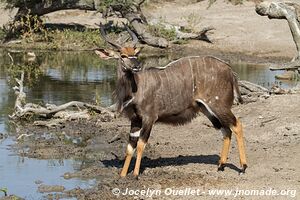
(160, 31)
(60, 40)
(2, 34)
(69, 39)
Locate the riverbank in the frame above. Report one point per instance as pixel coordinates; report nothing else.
(238, 28)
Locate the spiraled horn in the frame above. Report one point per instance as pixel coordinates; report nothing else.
(103, 34)
(132, 34)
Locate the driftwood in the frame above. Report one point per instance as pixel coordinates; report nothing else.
(294, 65)
(19, 91)
(56, 114)
(138, 22)
(251, 87)
(252, 92)
(201, 35)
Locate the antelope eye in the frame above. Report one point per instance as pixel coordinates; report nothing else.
(124, 56)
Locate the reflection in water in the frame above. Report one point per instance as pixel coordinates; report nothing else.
(260, 75)
(63, 77)
(19, 175)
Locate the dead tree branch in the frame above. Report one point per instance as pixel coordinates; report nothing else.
(251, 87)
(21, 96)
(252, 92)
(294, 65)
(56, 114)
(201, 35)
(283, 10)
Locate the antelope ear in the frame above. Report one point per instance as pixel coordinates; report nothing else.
(104, 54)
(137, 50)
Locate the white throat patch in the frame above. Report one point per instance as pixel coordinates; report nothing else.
(135, 134)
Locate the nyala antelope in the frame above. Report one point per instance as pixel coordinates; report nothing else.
(174, 94)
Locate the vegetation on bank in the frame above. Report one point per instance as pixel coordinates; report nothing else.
(28, 30)
(35, 35)
(43, 38)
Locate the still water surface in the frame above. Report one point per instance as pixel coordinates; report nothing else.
(63, 77)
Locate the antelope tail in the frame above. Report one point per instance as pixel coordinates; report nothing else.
(236, 89)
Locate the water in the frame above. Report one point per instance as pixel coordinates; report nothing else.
(261, 75)
(19, 174)
(63, 77)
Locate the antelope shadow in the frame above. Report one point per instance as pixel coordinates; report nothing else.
(170, 161)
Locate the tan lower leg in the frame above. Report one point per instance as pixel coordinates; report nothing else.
(129, 153)
(225, 150)
(140, 148)
(238, 130)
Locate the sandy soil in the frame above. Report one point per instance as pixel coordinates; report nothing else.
(238, 28)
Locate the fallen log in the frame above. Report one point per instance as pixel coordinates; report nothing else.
(252, 87)
(55, 114)
(201, 35)
(295, 65)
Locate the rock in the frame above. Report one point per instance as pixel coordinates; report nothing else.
(287, 75)
(50, 188)
(38, 182)
(11, 197)
(67, 175)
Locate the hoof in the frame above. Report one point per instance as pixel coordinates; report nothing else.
(123, 174)
(133, 177)
(243, 170)
(221, 167)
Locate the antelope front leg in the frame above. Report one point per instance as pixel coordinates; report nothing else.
(136, 125)
(129, 152)
(140, 149)
(144, 136)
(238, 130)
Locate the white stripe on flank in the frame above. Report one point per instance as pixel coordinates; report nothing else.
(218, 59)
(191, 67)
(208, 108)
(164, 67)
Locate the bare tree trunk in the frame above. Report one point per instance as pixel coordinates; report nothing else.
(138, 21)
(283, 10)
(140, 28)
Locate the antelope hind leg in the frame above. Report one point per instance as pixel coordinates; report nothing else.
(238, 131)
(225, 150)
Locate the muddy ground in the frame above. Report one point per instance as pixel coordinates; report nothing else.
(180, 157)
